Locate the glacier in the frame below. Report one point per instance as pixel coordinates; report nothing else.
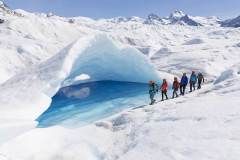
(91, 59)
(96, 57)
(41, 64)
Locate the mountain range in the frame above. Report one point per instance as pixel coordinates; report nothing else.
(177, 17)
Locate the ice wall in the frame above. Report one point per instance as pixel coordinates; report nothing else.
(93, 58)
(104, 60)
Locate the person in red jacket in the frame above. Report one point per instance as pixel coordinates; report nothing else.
(175, 87)
(164, 89)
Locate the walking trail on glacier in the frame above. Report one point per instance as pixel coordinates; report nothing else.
(135, 124)
(155, 128)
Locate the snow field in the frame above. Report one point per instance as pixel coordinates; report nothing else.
(202, 125)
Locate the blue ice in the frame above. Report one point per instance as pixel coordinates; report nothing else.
(86, 103)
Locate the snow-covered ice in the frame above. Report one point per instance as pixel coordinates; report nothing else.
(42, 54)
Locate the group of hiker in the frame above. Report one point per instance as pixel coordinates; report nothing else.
(193, 81)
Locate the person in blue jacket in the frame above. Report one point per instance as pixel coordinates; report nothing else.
(153, 89)
(183, 84)
(193, 81)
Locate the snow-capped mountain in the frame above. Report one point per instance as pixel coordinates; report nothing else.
(235, 22)
(4, 9)
(153, 18)
(177, 14)
(186, 20)
(43, 27)
(117, 20)
(180, 18)
(3, 5)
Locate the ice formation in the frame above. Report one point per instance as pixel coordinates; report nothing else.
(96, 56)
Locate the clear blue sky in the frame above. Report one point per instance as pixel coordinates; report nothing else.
(112, 8)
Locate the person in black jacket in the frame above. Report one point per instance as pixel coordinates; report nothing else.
(1, 21)
(200, 79)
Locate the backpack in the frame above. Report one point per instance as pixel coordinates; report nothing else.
(153, 88)
(193, 78)
(176, 85)
(200, 76)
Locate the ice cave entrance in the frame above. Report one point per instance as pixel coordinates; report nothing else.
(86, 103)
(101, 59)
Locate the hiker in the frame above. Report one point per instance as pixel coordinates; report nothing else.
(183, 84)
(164, 89)
(200, 79)
(175, 87)
(193, 81)
(153, 89)
(1, 21)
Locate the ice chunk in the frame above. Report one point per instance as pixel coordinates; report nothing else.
(194, 41)
(96, 56)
